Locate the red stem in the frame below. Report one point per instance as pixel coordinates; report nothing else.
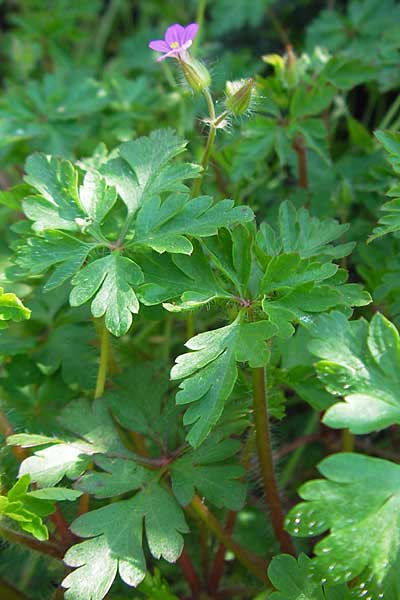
(185, 563)
(301, 151)
(219, 560)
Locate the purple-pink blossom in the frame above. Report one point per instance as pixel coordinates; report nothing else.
(177, 40)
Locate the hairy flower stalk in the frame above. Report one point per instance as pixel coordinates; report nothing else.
(176, 43)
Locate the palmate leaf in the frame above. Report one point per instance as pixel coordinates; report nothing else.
(209, 371)
(140, 402)
(11, 309)
(363, 520)
(211, 470)
(291, 578)
(303, 234)
(115, 546)
(360, 362)
(142, 168)
(165, 226)
(115, 531)
(94, 432)
(111, 281)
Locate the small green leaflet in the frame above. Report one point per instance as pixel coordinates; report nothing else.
(360, 362)
(363, 520)
(54, 249)
(291, 578)
(58, 204)
(116, 532)
(185, 281)
(27, 509)
(165, 226)
(212, 471)
(390, 221)
(11, 309)
(142, 169)
(111, 280)
(209, 371)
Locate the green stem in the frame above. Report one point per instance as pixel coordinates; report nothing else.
(209, 145)
(103, 365)
(254, 564)
(264, 451)
(390, 114)
(46, 547)
(347, 441)
(9, 592)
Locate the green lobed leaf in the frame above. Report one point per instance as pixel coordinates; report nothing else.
(211, 471)
(111, 280)
(166, 226)
(209, 371)
(153, 509)
(364, 536)
(360, 362)
(291, 578)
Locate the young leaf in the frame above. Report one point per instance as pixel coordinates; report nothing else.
(363, 521)
(11, 309)
(111, 280)
(361, 363)
(209, 371)
(27, 509)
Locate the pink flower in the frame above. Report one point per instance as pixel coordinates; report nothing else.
(177, 40)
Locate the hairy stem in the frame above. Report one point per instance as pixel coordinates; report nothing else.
(254, 564)
(50, 548)
(300, 148)
(209, 145)
(264, 451)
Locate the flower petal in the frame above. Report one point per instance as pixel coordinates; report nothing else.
(171, 54)
(190, 32)
(159, 46)
(174, 34)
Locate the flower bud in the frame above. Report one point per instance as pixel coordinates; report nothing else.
(239, 95)
(196, 74)
(291, 71)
